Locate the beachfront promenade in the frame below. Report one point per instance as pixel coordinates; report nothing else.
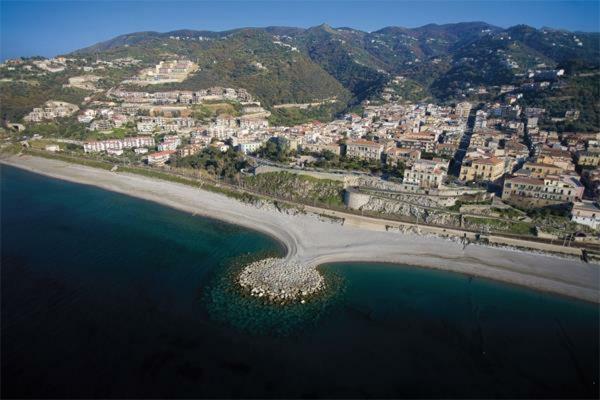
(312, 240)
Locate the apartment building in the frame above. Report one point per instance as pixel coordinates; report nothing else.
(540, 170)
(190, 150)
(446, 149)
(424, 141)
(425, 174)
(588, 159)
(463, 109)
(170, 142)
(51, 110)
(485, 169)
(540, 192)
(118, 144)
(364, 149)
(404, 156)
(321, 147)
(160, 157)
(249, 147)
(586, 213)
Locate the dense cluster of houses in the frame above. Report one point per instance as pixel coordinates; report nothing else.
(501, 144)
(184, 97)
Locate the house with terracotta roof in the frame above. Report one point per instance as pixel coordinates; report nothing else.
(160, 157)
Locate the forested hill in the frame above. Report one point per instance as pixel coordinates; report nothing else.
(442, 59)
(469, 60)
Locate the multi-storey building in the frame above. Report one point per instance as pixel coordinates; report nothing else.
(118, 144)
(540, 170)
(249, 147)
(463, 109)
(160, 157)
(540, 192)
(485, 169)
(190, 150)
(425, 174)
(586, 213)
(446, 149)
(424, 141)
(588, 159)
(397, 155)
(169, 143)
(364, 149)
(321, 147)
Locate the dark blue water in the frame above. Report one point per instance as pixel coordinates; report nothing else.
(108, 296)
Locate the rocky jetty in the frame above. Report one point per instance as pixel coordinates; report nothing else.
(279, 280)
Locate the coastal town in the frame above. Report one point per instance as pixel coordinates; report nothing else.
(478, 166)
(300, 199)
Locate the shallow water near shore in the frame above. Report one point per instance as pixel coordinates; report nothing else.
(104, 295)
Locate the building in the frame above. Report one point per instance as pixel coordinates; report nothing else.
(586, 213)
(425, 174)
(52, 109)
(169, 143)
(364, 149)
(169, 71)
(539, 170)
(446, 150)
(588, 159)
(249, 147)
(190, 150)
(160, 157)
(540, 192)
(102, 125)
(463, 109)
(424, 141)
(118, 144)
(322, 147)
(398, 155)
(53, 148)
(487, 169)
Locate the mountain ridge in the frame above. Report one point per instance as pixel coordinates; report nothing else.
(273, 28)
(341, 67)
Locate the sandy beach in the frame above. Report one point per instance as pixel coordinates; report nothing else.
(311, 241)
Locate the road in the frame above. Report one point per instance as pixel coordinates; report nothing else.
(464, 144)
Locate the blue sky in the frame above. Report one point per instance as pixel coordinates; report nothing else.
(53, 27)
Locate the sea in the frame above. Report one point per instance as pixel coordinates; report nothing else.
(105, 295)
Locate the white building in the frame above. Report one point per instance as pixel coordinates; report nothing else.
(426, 174)
(249, 147)
(160, 158)
(118, 144)
(586, 213)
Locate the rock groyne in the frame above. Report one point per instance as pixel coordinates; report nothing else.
(280, 280)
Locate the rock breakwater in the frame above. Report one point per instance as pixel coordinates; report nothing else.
(280, 280)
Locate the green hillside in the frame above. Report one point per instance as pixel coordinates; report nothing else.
(295, 65)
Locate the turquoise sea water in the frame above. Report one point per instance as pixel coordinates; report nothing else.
(109, 296)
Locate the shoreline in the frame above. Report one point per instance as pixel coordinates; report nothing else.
(312, 242)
